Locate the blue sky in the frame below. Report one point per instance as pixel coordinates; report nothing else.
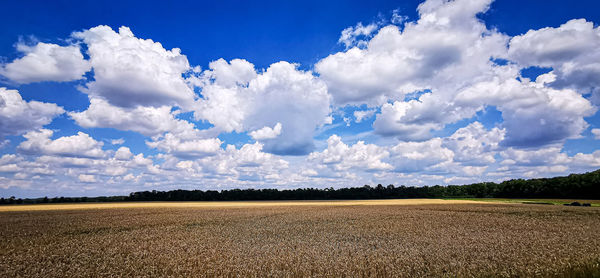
(103, 99)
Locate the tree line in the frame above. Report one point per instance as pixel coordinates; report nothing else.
(574, 186)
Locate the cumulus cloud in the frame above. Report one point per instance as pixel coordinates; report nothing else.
(534, 115)
(467, 153)
(147, 120)
(187, 148)
(447, 46)
(445, 52)
(137, 84)
(237, 72)
(413, 78)
(56, 170)
(586, 162)
(420, 156)
(398, 18)
(537, 157)
(351, 36)
(596, 133)
(447, 55)
(360, 115)
(474, 145)
(340, 156)
(544, 162)
(8, 163)
(119, 141)
(281, 94)
(129, 71)
(52, 164)
(80, 145)
(572, 51)
(231, 165)
(123, 153)
(87, 178)
(412, 120)
(266, 132)
(18, 116)
(46, 62)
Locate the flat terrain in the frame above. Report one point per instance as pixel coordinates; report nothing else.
(291, 239)
(232, 204)
(594, 203)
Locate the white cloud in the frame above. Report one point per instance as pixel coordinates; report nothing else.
(420, 156)
(404, 119)
(187, 148)
(351, 36)
(6, 183)
(18, 116)
(540, 157)
(140, 160)
(266, 132)
(237, 72)
(131, 177)
(186, 164)
(548, 47)
(596, 133)
(46, 62)
(398, 18)
(9, 168)
(571, 50)
(446, 52)
(533, 115)
(246, 164)
(586, 162)
(115, 171)
(465, 154)
(10, 158)
(136, 85)
(80, 145)
(60, 169)
(544, 162)
(421, 76)
(119, 141)
(445, 48)
(251, 155)
(123, 153)
(281, 94)
(474, 145)
(68, 162)
(341, 157)
(129, 71)
(87, 178)
(360, 115)
(149, 121)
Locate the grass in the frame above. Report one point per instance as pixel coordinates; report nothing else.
(299, 239)
(594, 203)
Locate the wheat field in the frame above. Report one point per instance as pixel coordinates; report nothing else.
(432, 238)
(231, 204)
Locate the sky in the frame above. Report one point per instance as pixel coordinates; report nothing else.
(114, 97)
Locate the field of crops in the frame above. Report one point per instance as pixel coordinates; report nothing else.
(322, 239)
(232, 204)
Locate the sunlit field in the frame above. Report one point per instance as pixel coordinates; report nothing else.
(230, 204)
(372, 238)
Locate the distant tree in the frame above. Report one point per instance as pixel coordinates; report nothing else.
(576, 186)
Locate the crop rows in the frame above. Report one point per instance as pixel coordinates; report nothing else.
(283, 241)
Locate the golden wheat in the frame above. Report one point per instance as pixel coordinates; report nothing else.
(310, 240)
(232, 204)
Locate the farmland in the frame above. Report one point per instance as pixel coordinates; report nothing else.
(401, 238)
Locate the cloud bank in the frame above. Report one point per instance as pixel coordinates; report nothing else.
(402, 103)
